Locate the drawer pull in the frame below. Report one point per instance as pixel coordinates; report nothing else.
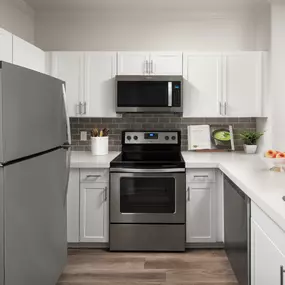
(282, 271)
(93, 176)
(201, 176)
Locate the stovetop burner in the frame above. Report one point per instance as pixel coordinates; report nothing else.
(150, 149)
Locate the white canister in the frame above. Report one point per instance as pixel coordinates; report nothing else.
(99, 145)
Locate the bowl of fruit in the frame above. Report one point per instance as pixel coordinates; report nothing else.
(274, 158)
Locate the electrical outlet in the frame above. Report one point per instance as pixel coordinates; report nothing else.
(83, 136)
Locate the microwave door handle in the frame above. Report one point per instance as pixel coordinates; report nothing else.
(169, 94)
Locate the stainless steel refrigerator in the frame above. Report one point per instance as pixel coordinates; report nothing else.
(34, 157)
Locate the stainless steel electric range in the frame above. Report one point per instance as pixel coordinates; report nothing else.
(147, 193)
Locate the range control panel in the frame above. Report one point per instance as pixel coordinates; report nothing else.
(151, 137)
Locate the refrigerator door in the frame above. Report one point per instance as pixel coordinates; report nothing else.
(32, 110)
(1, 229)
(35, 219)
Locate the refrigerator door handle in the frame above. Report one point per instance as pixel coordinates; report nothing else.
(68, 159)
(66, 114)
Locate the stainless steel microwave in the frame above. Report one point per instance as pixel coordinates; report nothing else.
(149, 94)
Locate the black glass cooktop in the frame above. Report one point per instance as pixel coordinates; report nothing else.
(149, 160)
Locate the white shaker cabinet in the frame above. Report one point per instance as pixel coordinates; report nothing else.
(94, 212)
(201, 220)
(6, 46)
(166, 63)
(267, 250)
(242, 84)
(133, 63)
(68, 66)
(223, 85)
(201, 199)
(99, 96)
(28, 55)
(150, 63)
(268, 259)
(90, 82)
(202, 86)
(73, 207)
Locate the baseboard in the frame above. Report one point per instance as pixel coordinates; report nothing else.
(95, 245)
(216, 245)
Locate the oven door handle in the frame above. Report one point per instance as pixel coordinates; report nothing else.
(135, 170)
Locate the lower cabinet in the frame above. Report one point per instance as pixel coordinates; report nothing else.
(73, 207)
(201, 213)
(88, 206)
(267, 250)
(94, 209)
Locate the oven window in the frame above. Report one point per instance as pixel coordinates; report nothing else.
(147, 195)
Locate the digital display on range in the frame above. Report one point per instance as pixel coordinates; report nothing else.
(151, 136)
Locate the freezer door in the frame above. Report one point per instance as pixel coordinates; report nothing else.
(32, 110)
(1, 229)
(35, 219)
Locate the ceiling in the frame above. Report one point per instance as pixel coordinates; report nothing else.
(43, 5)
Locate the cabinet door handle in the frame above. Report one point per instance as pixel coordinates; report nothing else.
(188, 194)
(85, 108)
(201, 176)
(105, 194)
(225, 108)
(282, 271)
(152, 71)
(147, 67)
(220, 108)
(80, 108)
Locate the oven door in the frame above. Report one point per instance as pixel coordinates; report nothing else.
(149, 94)
(148, 198)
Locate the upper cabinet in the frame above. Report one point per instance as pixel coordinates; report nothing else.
(90, 82)
(202, 85)
(242, 84)
(100, 84)
(223, 85)
(28, 55)
(133, 63)
(68, 66)
(6, 46)
(145, 63)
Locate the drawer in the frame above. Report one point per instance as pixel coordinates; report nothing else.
(201, 175)
(94, 175)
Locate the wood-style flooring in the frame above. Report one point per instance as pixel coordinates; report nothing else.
(195, 267)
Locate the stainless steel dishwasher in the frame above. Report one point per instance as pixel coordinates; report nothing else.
(237, 230)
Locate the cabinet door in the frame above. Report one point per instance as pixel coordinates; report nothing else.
(6, 46)
(242, 84)
(69, 67)
(133, 63)
(28, 55)
(94, 220)
(166, 63)
(267, 259)
(200, 219)
(73, 206)
(202, 85)
(100, 84)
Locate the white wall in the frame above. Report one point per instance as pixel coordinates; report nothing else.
(18, 18)
(277, 96)
(157, 29)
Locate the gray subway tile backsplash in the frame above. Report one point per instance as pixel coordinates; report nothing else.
(150, 122)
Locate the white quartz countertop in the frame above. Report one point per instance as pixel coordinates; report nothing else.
(84, 159)
(249, 172)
